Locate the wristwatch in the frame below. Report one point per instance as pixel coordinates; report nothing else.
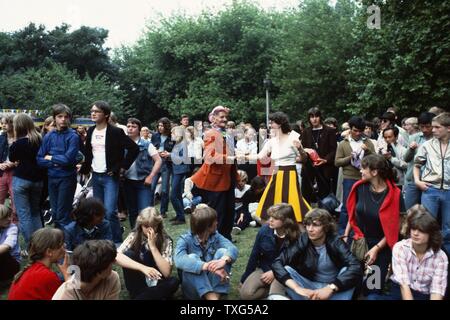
(333, 287)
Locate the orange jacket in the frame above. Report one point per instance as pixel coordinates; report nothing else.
(215, 174)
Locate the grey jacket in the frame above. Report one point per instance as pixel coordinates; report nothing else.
(435, 167)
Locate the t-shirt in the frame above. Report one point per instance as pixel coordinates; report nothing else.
(368, 211)
(326, 270)
(98, 142)
(10, 237)
(106, 289)
(132, 173)
(161, 146)
(38, 282)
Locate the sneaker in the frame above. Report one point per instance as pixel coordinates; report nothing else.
(253, 224)
(48, 218)
(188, 210)
(24, 253)
(236, 230)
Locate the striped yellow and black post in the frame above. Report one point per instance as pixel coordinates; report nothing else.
(283, 187)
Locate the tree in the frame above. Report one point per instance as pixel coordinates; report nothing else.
(41, 88)
(312, 70)
(406, 62)
(81, 50)
(189, 65)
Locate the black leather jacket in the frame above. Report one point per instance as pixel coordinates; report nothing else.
(302, 256)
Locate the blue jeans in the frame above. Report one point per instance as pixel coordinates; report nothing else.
(192, 203)
(164, 173)
(137, 197)
(347, 185)
(176, 196)
(61, 192)
(195, 286)
(106, 189)
(437, 200)
(27, 196)
(313, 285)
(396, 293)
(412, 194)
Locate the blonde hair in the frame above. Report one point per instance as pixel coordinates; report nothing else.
(179, 133)
(242, 175)
(5, 212)
(149, 217)
(24, 127)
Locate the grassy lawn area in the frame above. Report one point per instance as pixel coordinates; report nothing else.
(244, 242)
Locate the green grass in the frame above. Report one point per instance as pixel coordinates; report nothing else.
(244, 242)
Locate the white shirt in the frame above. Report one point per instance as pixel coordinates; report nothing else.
(355, 144)
(245, 147)
(98, 142)
(283, 154)
(238, 194)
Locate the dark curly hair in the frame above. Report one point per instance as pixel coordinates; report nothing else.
(166, 124)
(87, 210)
(281, 119)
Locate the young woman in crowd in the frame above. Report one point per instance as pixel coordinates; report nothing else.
(374, 205)
(149, 244)
(28, 176)
(180, 167)
(89, 224)
(284, 148)
(282, 229)
(204, 257)
(37, 281)
(420, 267)
(9, 246)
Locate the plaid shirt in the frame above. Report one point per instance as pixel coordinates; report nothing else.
(166, 251)
(427, 276)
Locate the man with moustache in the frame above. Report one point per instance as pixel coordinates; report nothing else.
(216, 178)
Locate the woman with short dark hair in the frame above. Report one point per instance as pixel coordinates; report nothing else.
(284, 148)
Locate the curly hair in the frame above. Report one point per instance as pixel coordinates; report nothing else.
(324, 217)
(87, 210)
(281, 119)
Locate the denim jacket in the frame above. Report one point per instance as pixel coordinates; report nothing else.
(75, 235)
(190, 255)
(144, 162)
(264, 252)
(180, 159)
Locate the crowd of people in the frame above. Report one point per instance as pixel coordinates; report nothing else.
(357, 212)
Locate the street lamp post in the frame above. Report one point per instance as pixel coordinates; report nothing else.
(267, 83)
